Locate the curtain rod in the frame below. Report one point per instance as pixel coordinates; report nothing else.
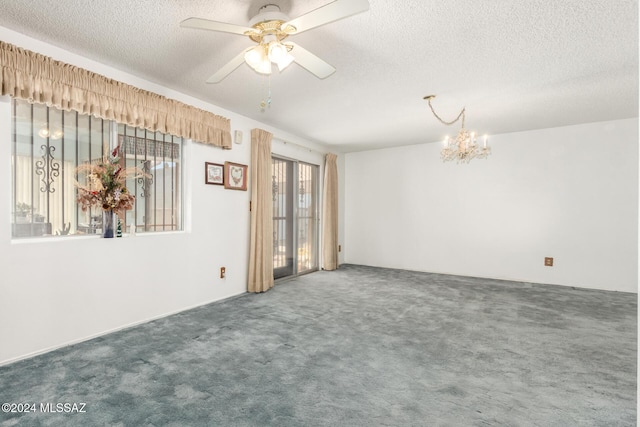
(299, 145)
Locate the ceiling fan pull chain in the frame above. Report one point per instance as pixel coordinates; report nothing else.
(266, 104)
(263, 104)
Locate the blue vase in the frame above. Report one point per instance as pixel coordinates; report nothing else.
(108, 223)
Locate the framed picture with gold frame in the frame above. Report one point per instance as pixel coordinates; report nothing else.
(235, 176)
(213, 173)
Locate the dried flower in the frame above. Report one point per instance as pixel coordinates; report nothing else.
(105, 184)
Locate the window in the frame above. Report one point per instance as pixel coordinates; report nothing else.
(48, 144)
(158, 204)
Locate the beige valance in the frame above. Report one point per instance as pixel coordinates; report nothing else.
(37, 78)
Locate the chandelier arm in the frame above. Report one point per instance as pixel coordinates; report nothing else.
(428, 98)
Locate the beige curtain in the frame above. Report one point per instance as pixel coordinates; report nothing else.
(37, 78)
(261, 245)
(330, 214)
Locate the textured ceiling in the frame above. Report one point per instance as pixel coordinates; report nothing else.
(515, 64)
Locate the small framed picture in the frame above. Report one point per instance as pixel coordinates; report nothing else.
(213, 173)
(235, 176)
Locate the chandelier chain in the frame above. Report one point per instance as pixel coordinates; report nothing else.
(428, 98)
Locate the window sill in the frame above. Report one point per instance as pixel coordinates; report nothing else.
(47, 239)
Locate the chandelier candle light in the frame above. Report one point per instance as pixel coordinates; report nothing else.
(464, 147)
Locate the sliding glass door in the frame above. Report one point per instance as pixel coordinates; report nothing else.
(295, 217)
(282, 190)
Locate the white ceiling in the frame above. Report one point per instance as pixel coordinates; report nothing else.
(515, 64)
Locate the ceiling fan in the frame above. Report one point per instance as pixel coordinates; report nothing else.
(269, 28)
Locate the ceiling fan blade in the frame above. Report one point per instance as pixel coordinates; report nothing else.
(325, 14)
(310, 62)
(205, 24)
(228, 68)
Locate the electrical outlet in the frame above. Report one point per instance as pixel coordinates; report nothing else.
(548, 261)
(223, 272)
(339, 248)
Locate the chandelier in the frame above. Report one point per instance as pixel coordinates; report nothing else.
(464, 147)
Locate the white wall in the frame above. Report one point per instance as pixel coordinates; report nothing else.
(570, 193)
(58, 291)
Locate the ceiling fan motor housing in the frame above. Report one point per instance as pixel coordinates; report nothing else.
(268, 24)
(269, 12)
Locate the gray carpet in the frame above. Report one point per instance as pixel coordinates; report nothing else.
(360, 346)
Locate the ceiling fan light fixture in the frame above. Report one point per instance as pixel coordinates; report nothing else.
(285, 62)
(277, 51)
(264, 67)
(44, 132)
(254, 57)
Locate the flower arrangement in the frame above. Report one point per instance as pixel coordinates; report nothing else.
(105, 184)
